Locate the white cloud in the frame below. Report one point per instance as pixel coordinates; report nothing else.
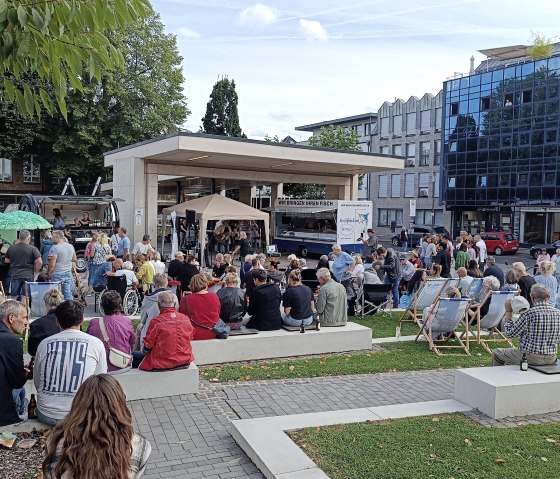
(257, 14)
(312, 29)
(188, 33)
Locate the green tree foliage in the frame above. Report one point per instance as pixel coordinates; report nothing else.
(222, 115)
(60, 42)
(541, 47)
(131, 104)
(337, 138)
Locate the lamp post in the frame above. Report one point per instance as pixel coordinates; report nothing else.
(433, 199)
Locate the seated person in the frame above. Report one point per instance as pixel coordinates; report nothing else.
(187, 271)
(323, 262)
(298, 302)
(118, 327)
(167, 344)
(126, 270)
(63, 361)
(99, 281)
(150, 309)
(145, 273)
(464, 279)
(219, 268)
(416, 282)
(414, 259)
(511, 279)
(331, 301)
(358, 271)
(45, 326)
(176, 264)
(264, 304)
(451, 292)
(538, 329)
(489, 284)
(202, 307)
(232, 302)
(273, 273)
(371, 276)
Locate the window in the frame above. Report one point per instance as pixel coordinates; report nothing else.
(409, 185)
(384, 150)
(424, 153)
(424, 217)
(454, 109)
(367, 129)
(436, 186)
(410, 154)
(395, 186)
(425, 120)
(384, 126)
(5, 170)
(411, 123)
(437, 151)
(423, 184)
(397, 150)
(439, 113)
(485, 103)
(386, 216)
(526, 96)
(382, 191)
(508, 99)
(358, 129)
(397, 125)
(31, 169)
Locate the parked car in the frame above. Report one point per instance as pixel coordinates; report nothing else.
(416, 232)
(500, 242)
(550, 249)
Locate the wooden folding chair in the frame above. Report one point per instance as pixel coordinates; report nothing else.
(490, 323)
(444, 318)
(426, 296)
(475, 290)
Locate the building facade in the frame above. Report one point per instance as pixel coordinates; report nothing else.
(411, 129)
(500, 164)
(21, 175)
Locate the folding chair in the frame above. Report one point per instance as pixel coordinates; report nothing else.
(444, 318)
(476, 290)
(491, 322)
(465, 285)
(374, 298)
(34, 294)
(309, 278)
(426, 296)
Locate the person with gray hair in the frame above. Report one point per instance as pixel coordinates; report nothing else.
(61, 258)
(331, 301)
(489, 284)
(525, 280)
(13, 373)
(25, 262)
(46, 325)
(492, 269)
(538, 330)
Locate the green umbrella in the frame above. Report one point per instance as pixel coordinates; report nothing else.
(23, 220)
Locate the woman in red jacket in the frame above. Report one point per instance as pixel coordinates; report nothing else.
(202, 307)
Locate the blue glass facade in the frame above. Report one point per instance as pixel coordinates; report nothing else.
(500, 135)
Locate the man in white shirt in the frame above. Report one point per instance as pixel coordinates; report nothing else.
(63, 362)
(142, 247)
(126, 271)
(482, 248)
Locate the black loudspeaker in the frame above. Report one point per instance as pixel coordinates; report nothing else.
(191, 216)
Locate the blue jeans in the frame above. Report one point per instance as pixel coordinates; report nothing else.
(51, 421)
(17, 286)
(92, 272)
(18, 396)
(404, 246)
(289, 321)
(67, 281)
(394, 289)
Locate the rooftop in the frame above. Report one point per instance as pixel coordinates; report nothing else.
(339, 121)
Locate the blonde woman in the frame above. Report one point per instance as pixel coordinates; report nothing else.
(98, 255)
(546, 278)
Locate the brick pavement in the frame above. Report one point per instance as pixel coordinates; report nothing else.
(190, 434)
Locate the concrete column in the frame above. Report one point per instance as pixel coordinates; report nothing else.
(332, 192)
(276, 191)
(245, 195)
(150, 211)
(354, 184)
(129, 184)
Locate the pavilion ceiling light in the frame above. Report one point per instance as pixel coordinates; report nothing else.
(282, 164)
(198, 158)
(348, 171)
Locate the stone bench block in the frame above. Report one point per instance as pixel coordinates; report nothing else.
(281, 344)
(506, 391)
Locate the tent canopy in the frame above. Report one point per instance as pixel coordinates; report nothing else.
(218, 207)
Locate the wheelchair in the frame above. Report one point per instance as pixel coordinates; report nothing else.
(130, 296)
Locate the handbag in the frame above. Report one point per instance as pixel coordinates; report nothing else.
(116, 357)
(221, 329)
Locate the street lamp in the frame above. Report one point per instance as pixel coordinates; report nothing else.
(433, 199)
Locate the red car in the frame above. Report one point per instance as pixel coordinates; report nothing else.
(500, 242)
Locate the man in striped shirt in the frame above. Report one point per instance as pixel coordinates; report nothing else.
(538, 330)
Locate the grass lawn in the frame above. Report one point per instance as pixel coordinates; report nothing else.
(444, 446)
(402, 356)
(383, 326)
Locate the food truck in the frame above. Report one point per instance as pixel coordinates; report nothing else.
(313, 226)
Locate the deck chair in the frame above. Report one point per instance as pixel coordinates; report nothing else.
(490, 323)
(309, 278)
(446, 317)
(427, 295)
(476, 290)
(373, 298)
(34, 294)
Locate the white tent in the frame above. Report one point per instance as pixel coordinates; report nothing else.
(218, 207)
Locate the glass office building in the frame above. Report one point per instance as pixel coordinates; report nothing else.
(500, 164)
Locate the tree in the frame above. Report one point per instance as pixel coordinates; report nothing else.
(222, 116)
(541, 47)
(61, 42)
(134, 103)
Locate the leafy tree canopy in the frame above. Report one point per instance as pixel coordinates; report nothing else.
(541, 47)
(337, 138)
(60, 42)
(222, 115)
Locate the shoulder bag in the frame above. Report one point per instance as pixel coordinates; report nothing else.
(117, 358)
(221, 329)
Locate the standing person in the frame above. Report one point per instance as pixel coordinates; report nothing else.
(423, 248)
(101, 251)
(63, 362)
(392, 270)
(462, 259)
(482, 254)
(544, 256)
(243, 246)
(546, 278)
(371, 242)
(443, 258)
(555, 258)
(25, 262)
(74, 448)
(123, 245)
(62, 256)
(142, 247)
(492, 269)
(404, 239)
(525, 281)
(115, 240)
(13, 321)
(431, 252)
(58, 221)
(46, 245)
(88, 256)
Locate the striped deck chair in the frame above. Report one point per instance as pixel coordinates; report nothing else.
(490, 323)
(445, 318)
(426, 296)
(475, 292)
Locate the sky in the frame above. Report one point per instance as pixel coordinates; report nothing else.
(301, 62)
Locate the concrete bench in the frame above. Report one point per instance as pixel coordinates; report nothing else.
(281, 344)
(139, 384)
(506, 391)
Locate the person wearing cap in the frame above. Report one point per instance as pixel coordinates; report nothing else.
(492, 269)
(142, 247)
(538, 329)
(370, 243)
